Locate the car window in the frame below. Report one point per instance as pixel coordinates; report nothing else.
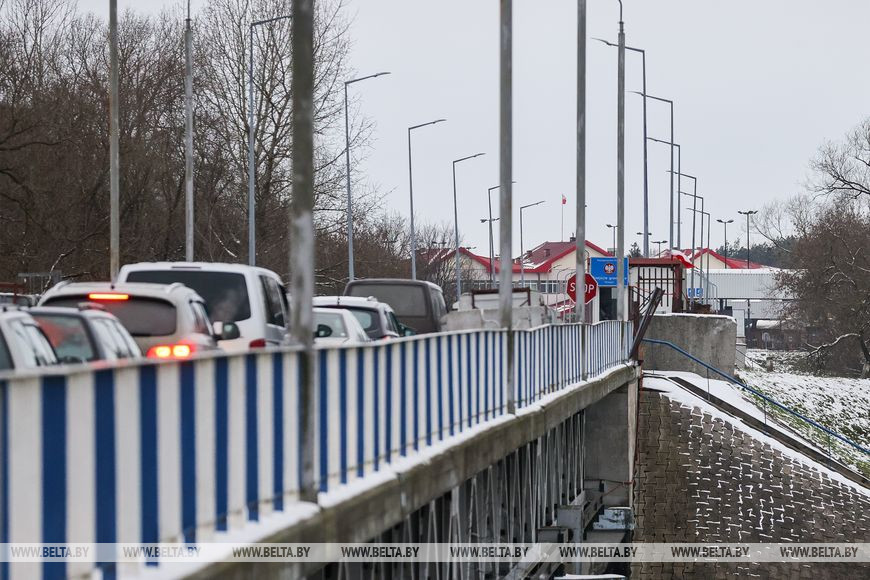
(140, 316)
(5, 357)
(334, 321)
(369, 319)
(120, 345)
(405, 299)
(36, 349)
(132, 347)
(200, 319)
(438, 306)
(68, 335)
(106, 340)
(393, 323)
(272, 300)
(225, 293)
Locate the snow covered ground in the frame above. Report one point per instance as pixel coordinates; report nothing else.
(840, 404)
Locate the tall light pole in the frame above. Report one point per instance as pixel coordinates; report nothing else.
(679, 186)
(613, 229)
(725, 225)
(188, 139)
(522, 249)
(694, 205)
(505, 175)
(252, 169)
(350, 275)
(646, 237)
(114, 165)
(411, 196)
(620, 171)
(491, 239)
(747, 213)
(694, 209)
(671, 103)
(659, 243)
(491, 248)
(456, 224)
(580, 241)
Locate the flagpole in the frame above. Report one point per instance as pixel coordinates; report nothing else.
(562, 238)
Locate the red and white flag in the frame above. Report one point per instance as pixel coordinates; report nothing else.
(564, 199)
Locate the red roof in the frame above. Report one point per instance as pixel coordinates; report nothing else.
(732, 263)
(538, 260)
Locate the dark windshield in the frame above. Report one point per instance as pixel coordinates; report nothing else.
(140, 316)
(406, 299)
(225, 293)
(68, 335)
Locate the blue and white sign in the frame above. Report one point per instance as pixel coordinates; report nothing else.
(695, 292)
(604, 271)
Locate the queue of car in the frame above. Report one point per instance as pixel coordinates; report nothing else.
(177, 310)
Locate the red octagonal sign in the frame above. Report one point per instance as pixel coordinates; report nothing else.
(591, 288)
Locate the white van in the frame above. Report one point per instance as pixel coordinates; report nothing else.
(253, 298)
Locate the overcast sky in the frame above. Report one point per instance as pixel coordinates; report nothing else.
(758, 87)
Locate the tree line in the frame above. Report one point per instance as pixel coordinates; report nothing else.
(54, 142)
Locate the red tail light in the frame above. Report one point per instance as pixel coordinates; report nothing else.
(107, 296)
(258, 343)
(171, 351)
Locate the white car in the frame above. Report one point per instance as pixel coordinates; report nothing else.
(336, 326)
(23, 345)
(252, 298)
(377, 318)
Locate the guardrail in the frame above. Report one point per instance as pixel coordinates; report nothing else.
(177, 451)
(761, 395)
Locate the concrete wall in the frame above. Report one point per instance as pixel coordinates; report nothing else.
(711, 338)
(609, 443)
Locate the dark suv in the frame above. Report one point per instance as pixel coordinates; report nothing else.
(418, 304)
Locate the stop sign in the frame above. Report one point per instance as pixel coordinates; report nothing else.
(591, 288)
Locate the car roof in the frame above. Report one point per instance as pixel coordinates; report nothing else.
(11, 312)
(194, 266)
(85, 310)
(140, 289)
(401, 281)
(369, 302)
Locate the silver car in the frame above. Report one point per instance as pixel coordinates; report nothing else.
(166, 321)
(22, 343)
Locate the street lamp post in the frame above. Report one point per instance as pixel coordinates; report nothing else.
(725, 225)
(411, 197)
(620, 170)
(114, 163)
(747, 213)
(694, 204)
(456, 224)
(671, 103)
(350, 273)
(580, 238)
(252, 223)
(701, 211)
(659, 250)
(679, 186)
(491, 239)
(647, 235)
(522, 249)
(613, 229)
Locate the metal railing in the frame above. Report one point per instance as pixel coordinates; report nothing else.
(162, 452)
(762, 396)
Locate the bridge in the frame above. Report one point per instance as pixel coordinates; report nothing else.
(413, 438)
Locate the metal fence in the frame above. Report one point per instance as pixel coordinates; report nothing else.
(178, 451)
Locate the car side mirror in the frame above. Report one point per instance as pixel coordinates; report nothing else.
(323, 331)
(407, 330)
(227, 330)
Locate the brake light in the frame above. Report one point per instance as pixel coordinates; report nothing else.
(170, 351)
(107, 296)
(258, 343)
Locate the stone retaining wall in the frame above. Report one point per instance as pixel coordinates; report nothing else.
(702, 479)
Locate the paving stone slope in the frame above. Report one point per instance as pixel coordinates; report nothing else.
(701, 479)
